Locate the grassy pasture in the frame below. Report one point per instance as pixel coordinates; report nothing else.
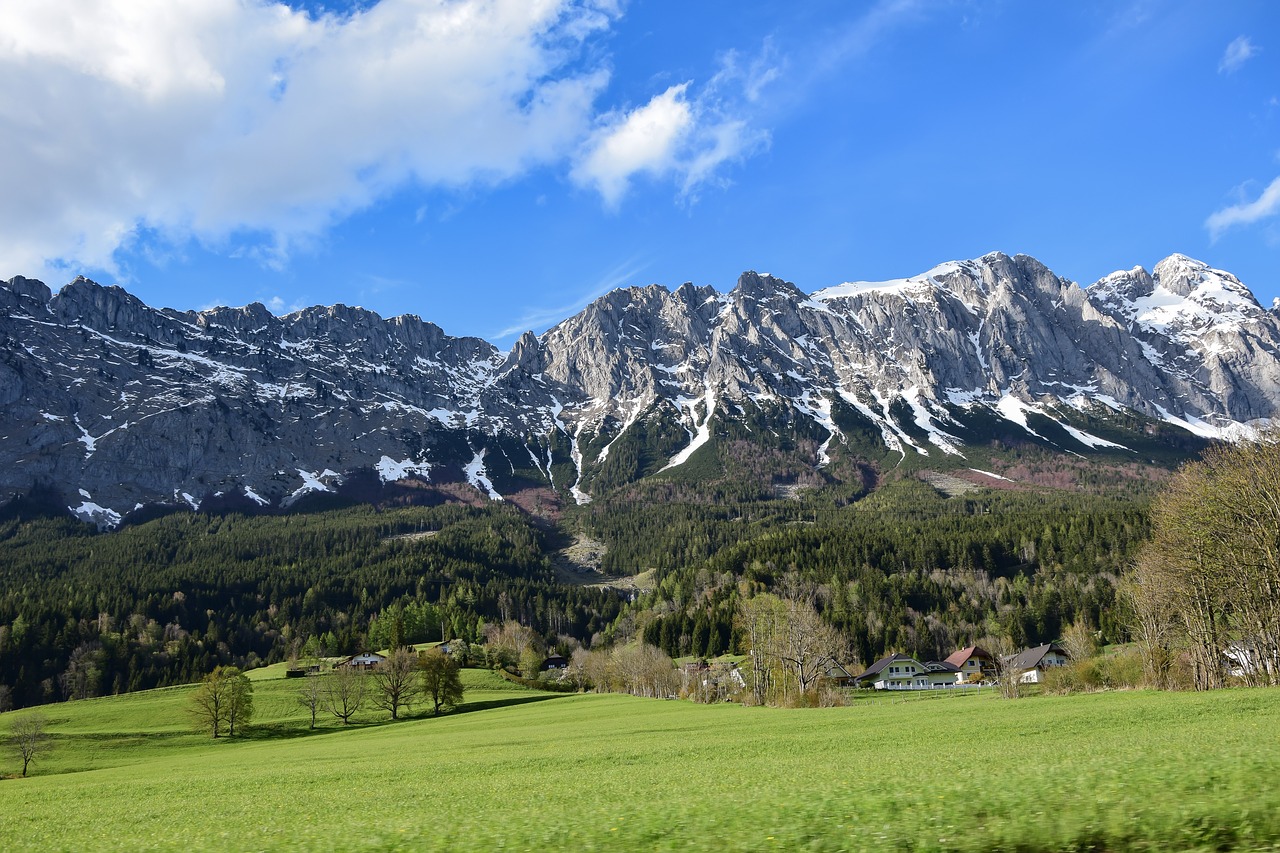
(523, 770)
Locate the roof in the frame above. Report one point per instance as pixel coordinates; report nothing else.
(835, 670)
(941, 666)
(373, 655)
(958, 659)
(1030, 658)
(878, 667)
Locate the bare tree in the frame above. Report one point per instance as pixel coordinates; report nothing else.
(791, 645)
(311, 695)
(1215, 557)
(1078, 641)
(645, 670)
(1152, 624)
(345, 692)
(512, 644)
(809, 645)
(1008, 676)
(760, 618)
(29, 739)
(598, 669)
(577, 670)
(395, 683)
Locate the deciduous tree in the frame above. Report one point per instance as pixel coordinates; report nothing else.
(395, 682)
(223, 699)
(345, 692)
(311, 695)
(29, 739)
(441, 681)
(1214, 563)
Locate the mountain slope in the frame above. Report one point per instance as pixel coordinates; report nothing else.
(110, 405)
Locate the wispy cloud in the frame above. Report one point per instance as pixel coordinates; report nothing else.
(538, 317)
(278, 306)
(1246, 213)
(1237, 54)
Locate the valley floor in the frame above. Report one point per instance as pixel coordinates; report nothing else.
(515, 769)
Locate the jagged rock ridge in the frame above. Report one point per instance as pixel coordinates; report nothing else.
(116, 405)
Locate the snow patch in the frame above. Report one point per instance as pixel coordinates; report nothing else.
(924, 419)
(703, 434)
(93, 513)
(389, 470)
(311, 482)
(476, 476)
(255, 497)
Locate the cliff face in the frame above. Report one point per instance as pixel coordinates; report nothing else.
(115, 405)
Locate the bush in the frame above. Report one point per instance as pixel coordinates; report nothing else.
(1106, 672)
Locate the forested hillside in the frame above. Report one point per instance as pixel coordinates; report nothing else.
(84, 613)
(906, 569)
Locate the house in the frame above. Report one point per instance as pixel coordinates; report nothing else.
(364, 660)
(838, 675)
(555, 661)
(1033, 663)
(974, 663)
(938, 673)
(895, 672)
(1253, 660)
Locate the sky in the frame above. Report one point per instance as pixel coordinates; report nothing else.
(494, 165)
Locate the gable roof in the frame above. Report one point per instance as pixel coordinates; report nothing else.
(835, 670)
(879, 666)
(1031, 658)
(958, 659)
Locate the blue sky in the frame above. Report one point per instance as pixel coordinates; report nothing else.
(492, 166)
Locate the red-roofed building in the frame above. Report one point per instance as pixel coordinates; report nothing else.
(975, 664)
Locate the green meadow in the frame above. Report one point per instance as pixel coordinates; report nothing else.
(517, 769)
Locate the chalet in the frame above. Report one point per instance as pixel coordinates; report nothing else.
(895, 672)
(1033, 663)
(555, 661)
(974, 663)
(364, 660)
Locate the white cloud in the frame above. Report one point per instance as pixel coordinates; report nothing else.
(645, 140)
(1246, 213)
(1237, 54)
(678, 135)
(209, 119)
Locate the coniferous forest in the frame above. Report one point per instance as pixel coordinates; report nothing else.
(905, 568)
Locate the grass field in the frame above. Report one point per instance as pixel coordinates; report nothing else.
(522, 770)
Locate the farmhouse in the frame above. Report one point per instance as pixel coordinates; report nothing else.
(938, 673)
(364, 660)
(966, 668)
(1032, 663)
(895, 672)
(974, 663)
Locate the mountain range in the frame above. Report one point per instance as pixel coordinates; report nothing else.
(996, 370)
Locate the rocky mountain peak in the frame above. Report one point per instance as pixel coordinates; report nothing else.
(132, 405)
(764, 286)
